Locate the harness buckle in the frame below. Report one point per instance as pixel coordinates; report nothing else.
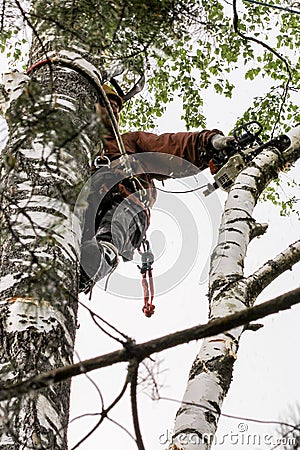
(102, 161)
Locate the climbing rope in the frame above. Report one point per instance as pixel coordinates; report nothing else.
(147, 284)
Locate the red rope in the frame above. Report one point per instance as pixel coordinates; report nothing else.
(38, 64)
(148, 308)
(146, 268)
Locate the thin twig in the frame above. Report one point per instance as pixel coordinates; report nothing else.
(231, 416)
(134, 409)
(93, 383)
(285, 435)
(122, 427)
(2, 15)
(82, 416)
(103, 413)
(153, 383)
(95, 315)
(30, 24)
(270, 49)
(268, 5)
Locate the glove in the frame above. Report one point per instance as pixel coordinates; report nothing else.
(220, 142)
(224, 148)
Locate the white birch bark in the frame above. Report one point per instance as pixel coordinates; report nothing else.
(45, 162)
(229, 292)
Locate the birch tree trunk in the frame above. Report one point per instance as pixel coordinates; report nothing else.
(52, 137)
(229, 292)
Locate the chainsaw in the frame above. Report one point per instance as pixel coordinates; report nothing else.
(242, 150)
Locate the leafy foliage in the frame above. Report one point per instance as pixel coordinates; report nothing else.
(288, 203)
(183, 47)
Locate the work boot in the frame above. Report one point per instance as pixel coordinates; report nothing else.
(98, 259)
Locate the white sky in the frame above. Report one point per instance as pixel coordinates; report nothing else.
(265, 380)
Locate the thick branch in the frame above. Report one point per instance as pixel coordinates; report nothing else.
(142, 351)
(267, 273)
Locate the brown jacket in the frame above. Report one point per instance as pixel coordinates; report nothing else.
(194, 147)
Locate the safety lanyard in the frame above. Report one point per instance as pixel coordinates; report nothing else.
(147, 284)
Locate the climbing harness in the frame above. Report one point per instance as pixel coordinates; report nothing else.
(148, 285)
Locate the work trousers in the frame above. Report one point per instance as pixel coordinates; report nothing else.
(120, 221)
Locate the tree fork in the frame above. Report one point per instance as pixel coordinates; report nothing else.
(210, 376)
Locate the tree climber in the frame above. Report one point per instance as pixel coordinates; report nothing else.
(115, 233)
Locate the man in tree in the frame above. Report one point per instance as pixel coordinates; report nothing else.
(116, 230)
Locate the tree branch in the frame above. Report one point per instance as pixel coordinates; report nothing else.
(103, 415)
(257, 41)
(267, 273)
(135, 416)
(142, 351)
(270, 49)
